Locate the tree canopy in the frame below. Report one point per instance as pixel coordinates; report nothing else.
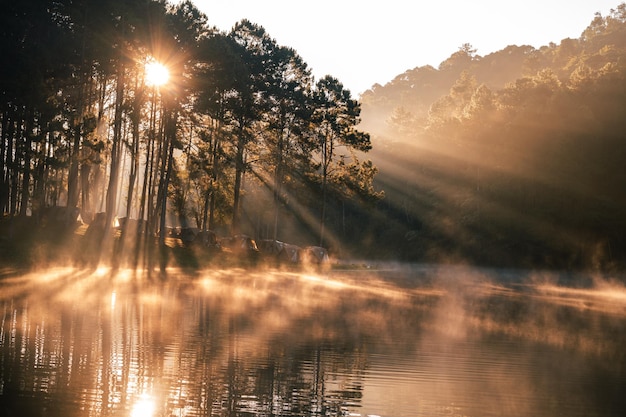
(514, 158)
(231, 142)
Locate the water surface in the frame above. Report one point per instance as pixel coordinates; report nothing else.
(401, 341)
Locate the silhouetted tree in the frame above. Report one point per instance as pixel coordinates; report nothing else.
(335, 117)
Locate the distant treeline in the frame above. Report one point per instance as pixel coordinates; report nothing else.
(517, 158)
(241, 138)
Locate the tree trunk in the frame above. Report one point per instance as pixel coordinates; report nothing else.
(239, 169)
(134, 168)
(214, 187)
(165, 172)
(27, 156)
(327, 150)
(149, 152)
(278, 182)
(111, 201)
(85, 172)
(4, 166)
(72, 180)
(41, 169)
(15, 174)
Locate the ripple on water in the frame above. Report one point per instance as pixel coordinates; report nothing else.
(243, 343)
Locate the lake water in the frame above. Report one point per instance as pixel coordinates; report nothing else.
(381, 341)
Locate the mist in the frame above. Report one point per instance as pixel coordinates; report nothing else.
(509, 159)
(338, 341)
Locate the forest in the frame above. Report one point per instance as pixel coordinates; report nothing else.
(513, 159)
(240, 139)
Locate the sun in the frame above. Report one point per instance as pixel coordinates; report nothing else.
(157, 74)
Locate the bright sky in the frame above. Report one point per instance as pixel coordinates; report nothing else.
(364, 42)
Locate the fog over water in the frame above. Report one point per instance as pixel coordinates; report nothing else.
(386, 340)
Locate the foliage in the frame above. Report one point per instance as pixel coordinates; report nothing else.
(236, 122)
(514, 158)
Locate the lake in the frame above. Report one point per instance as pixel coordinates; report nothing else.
(374, 340)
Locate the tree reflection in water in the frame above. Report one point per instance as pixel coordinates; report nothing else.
(240, 342)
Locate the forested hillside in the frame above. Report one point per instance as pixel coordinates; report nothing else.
(514, 158)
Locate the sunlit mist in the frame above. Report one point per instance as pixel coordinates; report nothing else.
(239, 341)
(157, 74)
(102, 271)
(144, 407)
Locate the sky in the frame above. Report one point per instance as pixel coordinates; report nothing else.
(362, 42)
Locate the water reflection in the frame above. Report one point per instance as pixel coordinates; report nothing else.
(417, 341)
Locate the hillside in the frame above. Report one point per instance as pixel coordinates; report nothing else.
(514, 158)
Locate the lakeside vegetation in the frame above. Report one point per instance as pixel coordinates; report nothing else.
(510, 159)
(241, 138)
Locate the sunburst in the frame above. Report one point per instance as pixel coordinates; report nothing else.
(157, 74)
